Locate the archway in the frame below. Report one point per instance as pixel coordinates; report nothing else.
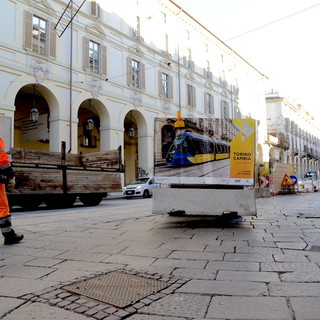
(88, 127)
(130, 147)
(138, 146)
(30, 134)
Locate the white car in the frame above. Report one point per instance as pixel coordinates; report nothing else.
(310, 182)
(141, 187)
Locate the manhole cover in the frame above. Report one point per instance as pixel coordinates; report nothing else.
(117, 288)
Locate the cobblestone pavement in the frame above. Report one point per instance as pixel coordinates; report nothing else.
(266, 267)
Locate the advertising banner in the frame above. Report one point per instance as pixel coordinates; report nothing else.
(204, 151)
(242, 150)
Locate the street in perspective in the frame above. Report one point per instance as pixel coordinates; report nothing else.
(117, 260)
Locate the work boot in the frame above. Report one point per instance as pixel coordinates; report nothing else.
(12, 237)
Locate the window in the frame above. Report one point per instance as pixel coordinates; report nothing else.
(224, 110)
(39, 35)
(136, 72)
(165, 85)
(94, 56)
(191, 96)
(208, 102)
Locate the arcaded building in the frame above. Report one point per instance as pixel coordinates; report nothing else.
(96, 74)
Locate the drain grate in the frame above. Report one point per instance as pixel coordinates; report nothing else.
(117, 288)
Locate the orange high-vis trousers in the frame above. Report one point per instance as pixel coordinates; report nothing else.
(4, 204)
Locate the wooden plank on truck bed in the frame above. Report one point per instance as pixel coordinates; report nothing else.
(86, 181)
(104, 159)
(43, 157)
(38, 181)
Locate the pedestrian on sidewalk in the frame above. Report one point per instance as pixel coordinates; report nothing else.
(6, 178)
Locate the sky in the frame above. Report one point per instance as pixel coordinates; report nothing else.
(280, 38)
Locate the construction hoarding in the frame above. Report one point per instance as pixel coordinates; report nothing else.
(205, 159)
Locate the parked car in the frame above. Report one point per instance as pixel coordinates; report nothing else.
(310, 182)
(141, 187)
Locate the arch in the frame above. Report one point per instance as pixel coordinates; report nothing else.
(138, 147)
(34, 135)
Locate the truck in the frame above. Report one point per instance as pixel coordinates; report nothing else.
(58, 179)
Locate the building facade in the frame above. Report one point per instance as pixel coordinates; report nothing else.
(98, 82)
(293, 135)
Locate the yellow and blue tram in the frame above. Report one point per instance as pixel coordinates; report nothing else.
(190, 148)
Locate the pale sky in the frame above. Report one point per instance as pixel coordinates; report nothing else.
(287, 51)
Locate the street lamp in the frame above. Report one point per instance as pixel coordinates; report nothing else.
(34, 112)
(131, 131)
(89, 123)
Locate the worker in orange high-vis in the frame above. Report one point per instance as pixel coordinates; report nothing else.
(6, 178)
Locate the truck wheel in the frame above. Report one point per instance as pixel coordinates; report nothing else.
(146, 194)
(91, 200)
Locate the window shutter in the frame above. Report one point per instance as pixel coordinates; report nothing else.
(206, 107)
(93, 7)
(129, 72)
(28, 30)
(143, 76)
(171, 87)
(85, 53)
(193, 97)
(160, 83)
(212, 104)
(103, 60)
(52, 41)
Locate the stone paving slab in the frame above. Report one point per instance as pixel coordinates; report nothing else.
(27, 272)
(179, 305)
(249, 308)
(153, 317)
(248, 276)
(15, 287)
(306, 308)
(288, 289)
(232, 288)
(42, 311)
(9, 304)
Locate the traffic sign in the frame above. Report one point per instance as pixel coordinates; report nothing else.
(287, 181)
(294, 179)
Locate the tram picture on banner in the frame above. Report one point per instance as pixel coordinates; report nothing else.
(190, 148)
(204, 151)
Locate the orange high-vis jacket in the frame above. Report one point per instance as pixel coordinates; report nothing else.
(4, 159)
